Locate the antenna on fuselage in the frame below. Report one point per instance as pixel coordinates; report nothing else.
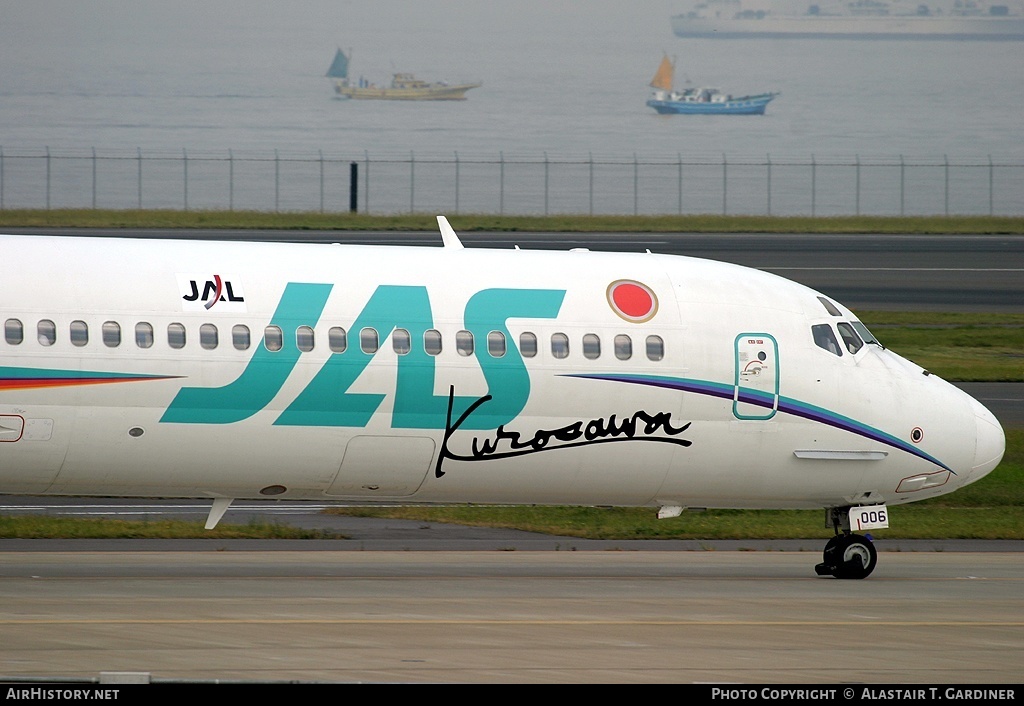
(448, 235)
(220, 506)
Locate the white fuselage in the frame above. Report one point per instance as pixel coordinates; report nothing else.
(138, 367)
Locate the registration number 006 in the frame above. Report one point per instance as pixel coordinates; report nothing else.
(869, 517)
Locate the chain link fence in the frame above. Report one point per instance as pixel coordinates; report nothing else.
(511, 185)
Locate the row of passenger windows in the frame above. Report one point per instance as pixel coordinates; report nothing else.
(337, 339)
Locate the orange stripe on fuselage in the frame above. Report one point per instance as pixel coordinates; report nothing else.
(38, 383)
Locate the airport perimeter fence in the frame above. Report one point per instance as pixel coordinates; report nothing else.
(510, 185)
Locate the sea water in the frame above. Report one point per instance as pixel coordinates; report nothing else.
(561, 80)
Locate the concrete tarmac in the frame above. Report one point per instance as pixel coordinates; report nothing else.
(509, 616)
(400, 601)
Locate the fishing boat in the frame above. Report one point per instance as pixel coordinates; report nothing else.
(856, 19)
(403, 86)
(700, 101)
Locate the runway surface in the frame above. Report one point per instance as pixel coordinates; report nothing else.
(399, 601)
(628, 617)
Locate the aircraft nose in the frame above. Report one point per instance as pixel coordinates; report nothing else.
(990, 444)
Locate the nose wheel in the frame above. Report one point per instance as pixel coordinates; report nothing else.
(848, 556)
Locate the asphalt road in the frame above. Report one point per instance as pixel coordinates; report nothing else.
(865, 272)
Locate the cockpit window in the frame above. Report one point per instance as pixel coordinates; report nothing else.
(825, 337)
(864, 333)
(829, 307)
(850, 337)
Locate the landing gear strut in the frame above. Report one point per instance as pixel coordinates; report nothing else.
(847, 555)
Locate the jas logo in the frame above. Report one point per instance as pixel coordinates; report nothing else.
(327, 400)
(203, 293)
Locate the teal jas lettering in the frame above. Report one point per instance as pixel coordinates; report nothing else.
(326, 400)
(301, 304)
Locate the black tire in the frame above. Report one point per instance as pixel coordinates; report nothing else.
(850, 556)
(831, 547)
(827, 565)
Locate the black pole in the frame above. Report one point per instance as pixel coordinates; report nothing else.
(353, 187)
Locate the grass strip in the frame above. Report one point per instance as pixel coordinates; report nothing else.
(469, 222)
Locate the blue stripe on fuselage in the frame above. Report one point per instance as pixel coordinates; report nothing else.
(787, 405)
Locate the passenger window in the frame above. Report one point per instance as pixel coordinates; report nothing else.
(432, 342)
(337, 339)
(111, 334)
(623, 347)
(401, 341)
(46, 332)
(14, 331)
(144, 335)
(273, 338)
(850, 337)
(825, 338)
(176, 335)
(496, 344)
(464, 343)
(240, 337)
(559, 345)
(304, 338)
(591, 346)
(79, 333)
(368, 340)
(527, 344)
(208, 336)
(655, 348)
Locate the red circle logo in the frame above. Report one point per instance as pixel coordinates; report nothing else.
(632, 300)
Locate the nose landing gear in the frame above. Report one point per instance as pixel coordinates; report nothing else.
(847, 555)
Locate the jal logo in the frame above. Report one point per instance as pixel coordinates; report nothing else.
(204, 293)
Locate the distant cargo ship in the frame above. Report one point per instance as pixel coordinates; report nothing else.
(403, 86)
(858, 19)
